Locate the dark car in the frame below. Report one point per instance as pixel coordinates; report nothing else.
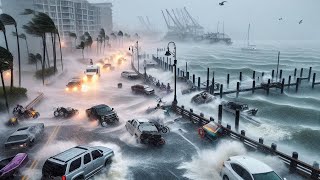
(75, 84)
(103, 113)
(108, 66)
(144, 89)
(25, 136)
(129, 75)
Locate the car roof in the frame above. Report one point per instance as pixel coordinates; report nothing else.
(100, 106)
(71, 153)
(25, 130)
(254, 166)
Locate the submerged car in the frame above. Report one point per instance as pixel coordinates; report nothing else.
(65, 112)
(75, 84)
(108, 66)
(145, 132)
(9, 166)
(232, 107)
(143, 89)
(25, 137)
(103, 113)
(80, 162)
(129, 75)
(245, 167)
(202, 98)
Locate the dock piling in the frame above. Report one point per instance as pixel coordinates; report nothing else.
(309, 76)
(238, 88)
(297, 84)
(313, 80)
(221, 90)
(282, 85)
(194, 79)
(220, 114)
(295, 72)
(199, 82)
(254, 75)
(212, 86)
(253, 86)
(237, 119)
(272, 74)
(240, 76)
(289, 82)
(262, 74)
(207, 80)
(228, 78)
(268, 87)
(301, 72)
(293, 163)
(187, 76)
(280, 76)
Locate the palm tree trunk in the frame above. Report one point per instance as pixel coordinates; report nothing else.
(48, 59)
(97, 47)
(4, 92)
(53, 40)
(11, 81)
(19, 60)
(44, 55)
(27, 46)
(60, 51)
(82, 54)
(104, 45)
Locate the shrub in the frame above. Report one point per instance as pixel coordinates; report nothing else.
(17, 94)
(47, 72)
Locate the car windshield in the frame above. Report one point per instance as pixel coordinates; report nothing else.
(72, 83)
(266, 176)
(91, 70)
(103, 110)
(53, 169)
(146, 87)
(17, 138)
(148, 128)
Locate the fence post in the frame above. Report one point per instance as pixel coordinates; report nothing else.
(309, 76)
(254, 75)
(220, 114)
(167, 65)
(198, 82)
(194, 79)
(295, 72)
(293, 163)
(273, 147)
(282, 85)
(289, 82)
(212, 86)
(268, 87)
(314, 173)
(297, 84)
(187, 75)
(243, 133)
(221, 90)
(207, 80)
(313, 80)
(237, 119)
(178, 72)
(228, 78)
(301, 72)
(240, 76)
(280, 77)
(238, 88)
(272, 74)
(253, 86)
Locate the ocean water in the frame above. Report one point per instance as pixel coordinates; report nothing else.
(291, 120)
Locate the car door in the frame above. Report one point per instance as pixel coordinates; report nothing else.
(97, 159)
(88, 165)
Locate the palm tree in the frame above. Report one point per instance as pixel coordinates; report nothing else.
(6, 61)
(107, 39)
(81, 46)
(8, 20)
(102, 33)
(3, 29)
(73, 35)
(33, 60)
(22, 36)
(39, 58)
(120, 34)
(113, 36)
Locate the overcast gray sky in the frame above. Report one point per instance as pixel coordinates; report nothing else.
(236, 14)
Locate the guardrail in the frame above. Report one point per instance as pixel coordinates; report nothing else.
(295, 165)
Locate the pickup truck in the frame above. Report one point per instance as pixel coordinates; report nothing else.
(103, 113)
(143, 89)
(145, 132)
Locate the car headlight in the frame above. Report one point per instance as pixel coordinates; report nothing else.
(75, 88)
(67, 89)
(85, 78)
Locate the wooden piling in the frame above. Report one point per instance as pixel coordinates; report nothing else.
(212, 86)
(238, 88)
(272, 74)
(309, 76)
(220, 114)
(282, 85)
(243, 133)
(293, 163)
(228, 78)
(187, 76)
(221, 90)
(301, 72)
(268, 87)
(254, 75)
(178, 72)
(313, 80)
(289, 82)
(237, 119)
(207, 80)
(194, 79)
(253, 86)
(262, 74)
(198, 82)
(167, 65)
(297, 84)
(280, 77)
(240, 76)
(295, 72)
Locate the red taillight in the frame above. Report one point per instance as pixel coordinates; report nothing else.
(63, 178)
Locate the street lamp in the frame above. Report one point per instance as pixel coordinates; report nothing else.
(131, 49)
(174, 53)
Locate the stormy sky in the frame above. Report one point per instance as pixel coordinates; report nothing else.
(236, 14)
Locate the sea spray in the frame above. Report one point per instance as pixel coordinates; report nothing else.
(208, 164)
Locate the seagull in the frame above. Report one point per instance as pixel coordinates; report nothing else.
(222, 3)
(300, 22)
(280, 19)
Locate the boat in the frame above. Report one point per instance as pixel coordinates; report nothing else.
(250, 47)
(10, 165)
(202, 98)
(245, 111)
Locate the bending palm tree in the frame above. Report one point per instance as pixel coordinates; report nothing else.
(73, 35)
(6, 61)
(113, 36)
(8, 20)
(103, 36)
(120, 34)
(22, 36)
(81, 46)
(33, 60)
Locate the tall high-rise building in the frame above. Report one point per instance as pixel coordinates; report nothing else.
(77, 16)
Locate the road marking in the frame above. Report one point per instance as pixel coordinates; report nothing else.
(50, 139)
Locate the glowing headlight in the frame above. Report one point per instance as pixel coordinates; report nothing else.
(94, 77)
(67, 89)
(75, 89)
(85, 78)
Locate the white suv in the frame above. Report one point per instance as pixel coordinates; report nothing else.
(247, 168)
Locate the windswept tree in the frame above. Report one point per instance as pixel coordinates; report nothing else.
(33, 60)
(102, 33)
(107, 39)
(3, 29)
(6, 61)
(120, 34)
(24, 37)
(8, 20)
(113, 37)
(81, 46)
(74, 36)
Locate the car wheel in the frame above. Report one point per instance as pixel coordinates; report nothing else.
(65, 115)
(108, 161)
(56, 114)
(79, 178)
(104, 124)
(225, 177)
(164, 129)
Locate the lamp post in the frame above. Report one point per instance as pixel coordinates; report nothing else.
(137, 46)
(131, 49)
(174, 53)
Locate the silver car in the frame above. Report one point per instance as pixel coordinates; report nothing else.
(80, 162)
(25, 136)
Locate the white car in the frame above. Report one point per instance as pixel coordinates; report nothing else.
(247, 168)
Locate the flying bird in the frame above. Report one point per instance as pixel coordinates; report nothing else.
(300, 22)
(222, 3)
